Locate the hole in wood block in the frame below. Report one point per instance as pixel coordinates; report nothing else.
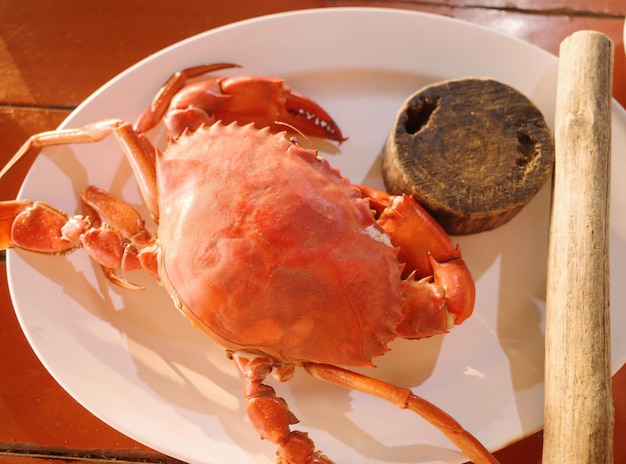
(419, 115)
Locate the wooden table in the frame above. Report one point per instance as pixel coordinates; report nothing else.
(55, 54)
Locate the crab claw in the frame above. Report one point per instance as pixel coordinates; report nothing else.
(267, 100)
(35, 226)
(434, 305)
(459, 290)
(302, 112)
(264, 101)
(416, 234)
(438, 287)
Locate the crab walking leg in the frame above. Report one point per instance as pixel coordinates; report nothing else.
(405, 399)
(137, 148)
(161, 101)
(89, 133)
(270, 414)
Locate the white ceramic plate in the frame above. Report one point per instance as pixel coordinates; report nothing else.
(133, 361)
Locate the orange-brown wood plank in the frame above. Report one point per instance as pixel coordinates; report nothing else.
(58, 53)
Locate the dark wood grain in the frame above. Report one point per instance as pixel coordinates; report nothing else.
(472, 151)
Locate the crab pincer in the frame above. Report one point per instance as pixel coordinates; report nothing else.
(186, 104)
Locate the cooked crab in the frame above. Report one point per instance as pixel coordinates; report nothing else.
(267, 249)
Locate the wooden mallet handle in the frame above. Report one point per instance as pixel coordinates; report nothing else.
(579, 417)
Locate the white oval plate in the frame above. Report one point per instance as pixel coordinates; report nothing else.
(134, 362)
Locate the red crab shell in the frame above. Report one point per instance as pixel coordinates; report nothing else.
(243, 256)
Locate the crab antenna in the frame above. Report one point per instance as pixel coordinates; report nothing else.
(297, 131)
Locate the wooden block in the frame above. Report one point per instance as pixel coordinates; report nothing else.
(472, 151)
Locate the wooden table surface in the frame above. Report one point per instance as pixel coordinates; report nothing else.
(55, 54)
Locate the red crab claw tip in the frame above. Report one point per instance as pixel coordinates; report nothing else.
(311, 118)
(459, 289)
(436, 303)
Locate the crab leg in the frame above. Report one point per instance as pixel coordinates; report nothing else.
(89, 133)
(136, 147)
(270, 415)
(405, 399)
